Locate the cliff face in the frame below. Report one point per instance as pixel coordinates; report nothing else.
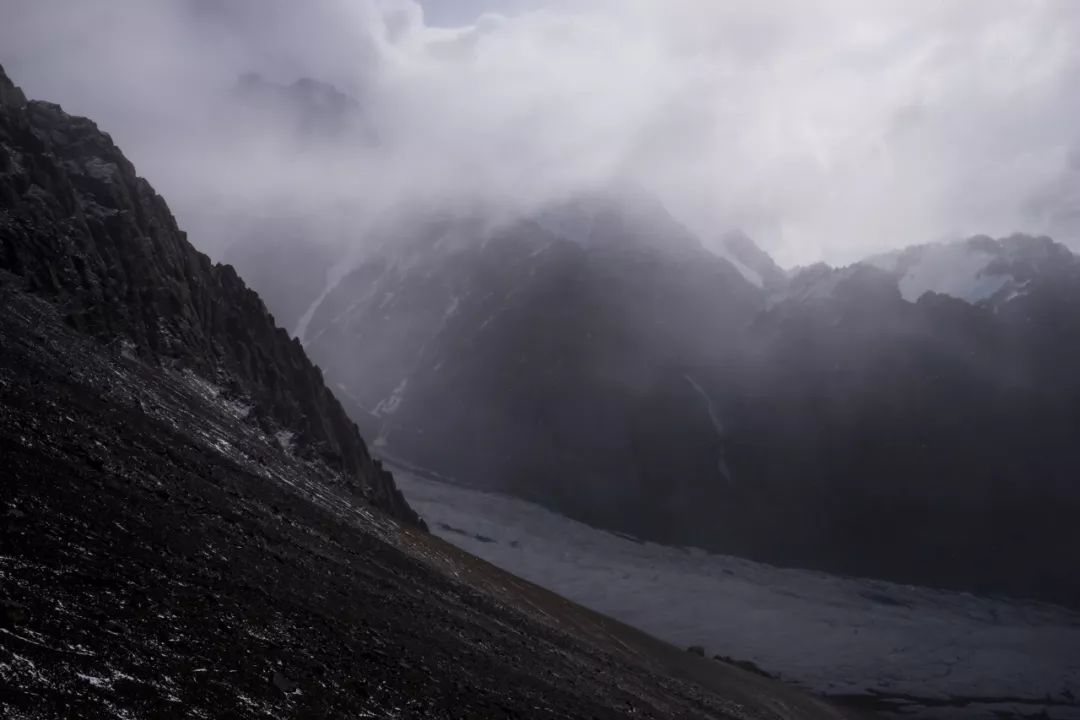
(78, 226)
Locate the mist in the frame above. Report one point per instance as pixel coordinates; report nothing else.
(639, 302)
(828, 130)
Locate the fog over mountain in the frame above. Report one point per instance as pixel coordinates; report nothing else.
(752, 323)
(539, 247)
(827, 130)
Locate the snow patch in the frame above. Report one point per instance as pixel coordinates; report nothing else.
(452, 308)
(98, 682)
(334, 276)
(390, 405)
(749, 274)
(387, 299)
(100, 169)
(955, 269)
(721, 465)
(237, 409)
(285, 440)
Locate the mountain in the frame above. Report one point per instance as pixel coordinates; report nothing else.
(912, 417)
(81, 228)
(560, 368)
(930, 441)
(978, 270)
(191, 525)
(308, 110)
(921, 438)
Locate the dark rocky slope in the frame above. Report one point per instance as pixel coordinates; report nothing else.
(932, 442)
(79, 226)
(184, 534)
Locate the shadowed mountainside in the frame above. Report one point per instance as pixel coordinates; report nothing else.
(79, 226)
(186, 530)
(866, 420)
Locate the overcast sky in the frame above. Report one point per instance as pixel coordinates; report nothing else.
(829, 129)
(450, 13)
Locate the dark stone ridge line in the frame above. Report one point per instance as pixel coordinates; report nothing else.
(80, 227)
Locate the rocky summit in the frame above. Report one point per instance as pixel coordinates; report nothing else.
(191, 527)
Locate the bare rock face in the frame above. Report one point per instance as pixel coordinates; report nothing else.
(10, 94)
(78, 226)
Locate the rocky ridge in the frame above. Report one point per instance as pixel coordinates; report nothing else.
(79, 226)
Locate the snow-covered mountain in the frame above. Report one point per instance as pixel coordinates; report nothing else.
(977, 270)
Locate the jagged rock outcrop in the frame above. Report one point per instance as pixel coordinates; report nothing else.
(10, 94)
(79, 226)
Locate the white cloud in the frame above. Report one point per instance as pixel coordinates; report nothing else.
(828, 128)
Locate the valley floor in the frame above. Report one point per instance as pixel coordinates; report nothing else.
(913, 650)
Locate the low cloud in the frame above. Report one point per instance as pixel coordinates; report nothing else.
(828, 129)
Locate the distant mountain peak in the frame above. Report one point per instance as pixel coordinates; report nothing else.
(979, 269)
(821, 282)
(619, 216)
(305, 89)
(307, 107)
(10, 93)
